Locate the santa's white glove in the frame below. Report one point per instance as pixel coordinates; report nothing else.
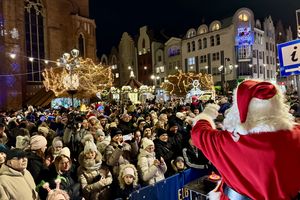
(210, 113)
(212, 110)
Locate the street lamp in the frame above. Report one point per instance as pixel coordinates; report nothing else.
(71, 80)
(206, 67)
(223, 76)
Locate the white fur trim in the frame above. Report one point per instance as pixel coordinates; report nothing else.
(212, 195)
(269, 115)
(203, 116)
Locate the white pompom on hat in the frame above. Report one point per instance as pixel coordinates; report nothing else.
(89, 146)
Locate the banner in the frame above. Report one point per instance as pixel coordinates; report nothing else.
(170, 188)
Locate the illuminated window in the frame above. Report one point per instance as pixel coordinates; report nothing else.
(203, 30)
(215, 27)
(243, 17)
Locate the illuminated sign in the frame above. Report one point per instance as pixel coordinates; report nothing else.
(244, 36)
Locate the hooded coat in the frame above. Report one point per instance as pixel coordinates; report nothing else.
(15, 185)
(93, 177)
(150, 173)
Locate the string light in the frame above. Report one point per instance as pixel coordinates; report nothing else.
(30, 59)
(12, 55)
(181, 83)
(92, 79)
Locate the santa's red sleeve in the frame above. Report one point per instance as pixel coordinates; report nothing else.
(260, 166)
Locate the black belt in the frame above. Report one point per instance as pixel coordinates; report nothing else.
(232, 194)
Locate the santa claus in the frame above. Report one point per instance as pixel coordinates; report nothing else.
(258, 152)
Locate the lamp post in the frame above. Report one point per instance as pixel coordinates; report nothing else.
(71, 81)
(223, 76)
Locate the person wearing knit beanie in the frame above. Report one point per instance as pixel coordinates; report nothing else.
(160, 131)
(146, 142)
(22, 142)
(38, 142)
(89, 147)
(115, 131)
(43, 130)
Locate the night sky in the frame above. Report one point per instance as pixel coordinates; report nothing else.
(177, 16)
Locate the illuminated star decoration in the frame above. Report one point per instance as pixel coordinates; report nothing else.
(92, 79)
(181, 83)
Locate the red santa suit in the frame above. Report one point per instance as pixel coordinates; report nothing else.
(258, 155)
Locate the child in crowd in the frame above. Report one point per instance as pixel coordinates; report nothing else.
(128, 181)
(178, 164)
(102, 141)
(93, 178)
(151, 169)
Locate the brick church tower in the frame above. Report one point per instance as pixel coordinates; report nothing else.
(32, 34)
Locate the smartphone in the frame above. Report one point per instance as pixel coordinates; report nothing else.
(127, 137)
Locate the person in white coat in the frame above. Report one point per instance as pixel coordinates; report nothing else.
(151, 169)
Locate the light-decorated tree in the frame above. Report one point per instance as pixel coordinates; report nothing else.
(86, 78)
(181, 83)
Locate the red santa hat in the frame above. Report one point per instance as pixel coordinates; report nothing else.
(252, 89)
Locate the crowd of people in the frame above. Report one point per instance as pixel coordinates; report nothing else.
(106, 152)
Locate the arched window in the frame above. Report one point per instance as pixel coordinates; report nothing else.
(199, 44)
(193, 46)
(215, 27)
(244, 17)
(212, 41)
(218, 41)
(188, 47)
(34, 36)
(81, 45)
(204, 43)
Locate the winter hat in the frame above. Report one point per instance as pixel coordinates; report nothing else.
(172, 123)
(92, 117)
(180, 115)
(89, 146)
(99, 132)
(146, 142)
(37, 142)
(160, 131)
(179, 158)
(43, 130)
(128, 171)
(115, 131)
(18, 153)
(87, 137)
(57, 142)
(3, 148)
(252, 89)
(22, 142)
(65, 152)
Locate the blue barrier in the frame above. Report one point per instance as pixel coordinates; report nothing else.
(171, 188)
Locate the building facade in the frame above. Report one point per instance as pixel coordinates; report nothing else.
(230, 49)
(33, 37)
